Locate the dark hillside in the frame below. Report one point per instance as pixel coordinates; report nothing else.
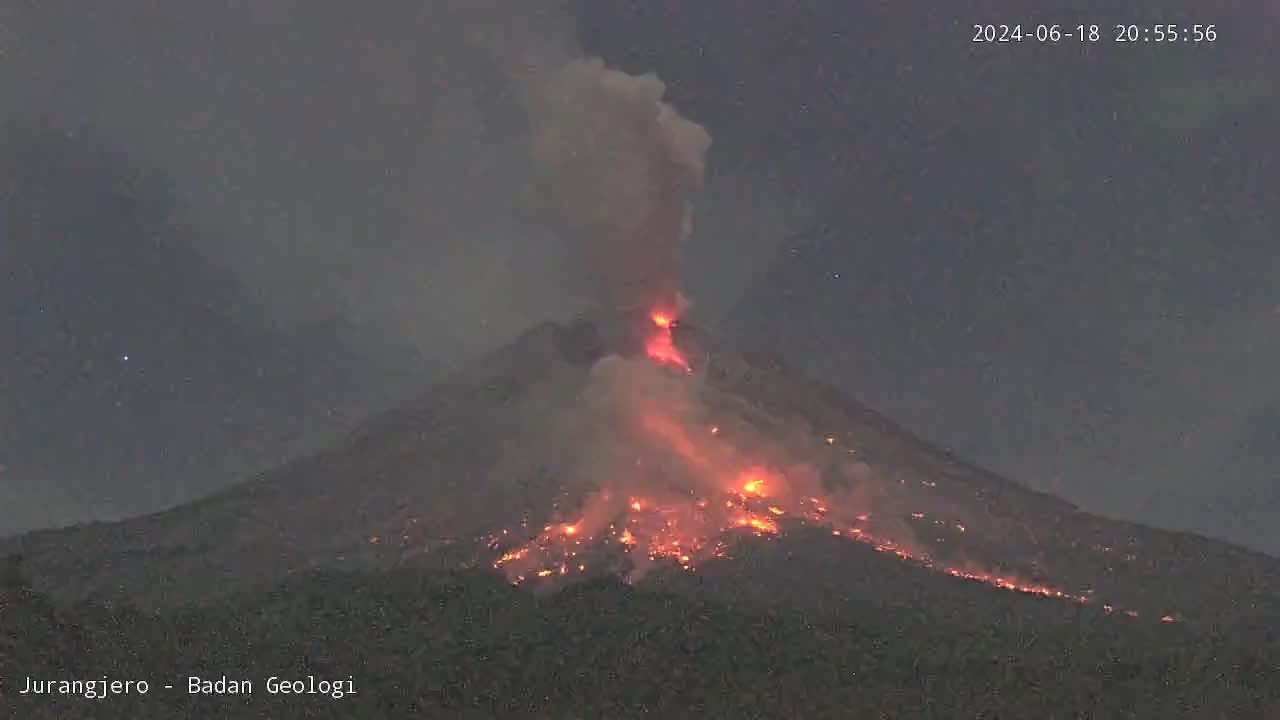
(961, 594)
(424, 644)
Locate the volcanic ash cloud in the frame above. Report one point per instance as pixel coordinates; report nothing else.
(619, 164)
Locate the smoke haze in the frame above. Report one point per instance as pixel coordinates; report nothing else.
(360, 172)
(289, 215)
(353, 197)
(619, 162)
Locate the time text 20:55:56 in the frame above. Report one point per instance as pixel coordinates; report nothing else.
(1091, 33)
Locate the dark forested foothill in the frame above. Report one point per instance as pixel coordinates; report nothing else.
(419, 643)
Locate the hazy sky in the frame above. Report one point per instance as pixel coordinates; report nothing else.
(230, 231)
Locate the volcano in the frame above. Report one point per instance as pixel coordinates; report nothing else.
(678, 528)
(624, 516)
(692, 467)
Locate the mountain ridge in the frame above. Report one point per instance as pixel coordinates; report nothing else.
(425, 484)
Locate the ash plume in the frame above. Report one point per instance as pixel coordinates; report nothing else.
(618, 164)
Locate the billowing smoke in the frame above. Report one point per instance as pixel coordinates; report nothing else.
(618, 164)
(655, 467)
(660, 470)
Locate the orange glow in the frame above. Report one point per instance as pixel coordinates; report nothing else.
(512, 556)
(1009, 583)
(759, 482)
(661, 347)
(685, 533)
(686, 526)
(761, 524)
(688, 529)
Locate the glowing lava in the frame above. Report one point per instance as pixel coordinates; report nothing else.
(753, 484)
(688, 530)
(660, 346)
(647, 531)
(713, 486)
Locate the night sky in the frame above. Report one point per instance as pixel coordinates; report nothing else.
(230, 232)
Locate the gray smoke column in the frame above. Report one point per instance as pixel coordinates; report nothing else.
(619, 165)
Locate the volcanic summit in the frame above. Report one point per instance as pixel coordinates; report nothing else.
(630, 444)
(550, 461)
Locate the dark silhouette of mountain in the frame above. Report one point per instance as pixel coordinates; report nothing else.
(957, 593)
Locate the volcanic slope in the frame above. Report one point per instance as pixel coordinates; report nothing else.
(738, 480)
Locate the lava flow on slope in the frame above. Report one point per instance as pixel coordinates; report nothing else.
(660, 466)
(669, 482)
